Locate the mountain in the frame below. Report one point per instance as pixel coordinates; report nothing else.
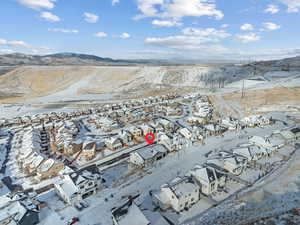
(18, 59)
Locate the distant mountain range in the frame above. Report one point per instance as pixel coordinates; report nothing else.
(18, 59)
(62, 59)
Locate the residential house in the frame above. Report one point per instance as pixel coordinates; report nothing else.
(185, 133)
(126, 137)
(290, 135)
(17, 212)
(147, 155)
(208, 178)
(232, 163)
(129, 213)
(166, 124)
(215, 129)
(271, 143)
(48, 169)
(79, 185)
(88, 150)
(114, 143)
(146, 129)
(179, 194)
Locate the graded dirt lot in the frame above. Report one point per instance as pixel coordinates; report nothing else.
(257, 101)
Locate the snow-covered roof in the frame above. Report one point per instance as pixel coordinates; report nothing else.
(206, 174)
(149, 152)
(11, 209)
(68, 186)
(182, 187)
(46, 165)
(130, 214)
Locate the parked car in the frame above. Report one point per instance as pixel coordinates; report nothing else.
(73, 221)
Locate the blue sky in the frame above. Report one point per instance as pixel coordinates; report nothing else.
(188, 29)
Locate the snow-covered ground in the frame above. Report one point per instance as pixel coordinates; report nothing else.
(142, 181)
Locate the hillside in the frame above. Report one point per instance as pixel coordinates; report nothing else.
(69, 82)
(18, 59)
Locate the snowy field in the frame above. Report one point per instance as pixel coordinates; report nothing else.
(142, 181)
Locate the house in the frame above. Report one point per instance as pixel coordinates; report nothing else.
(272, 143)
(185, 133)
(88, 150)
(178, 142)
(179, 194)
(146, 129)
(130, 214)
(196, 120)
(208, 178)
(235, 164)
(256, 120)
(158, 127)
(215, 129)
(126, 137)
(135, 131)
(114, 143)
(250, 152)
(78, 185)
(48, 169)
(231, 123)
(291, 135)
(147, 155)
(17, 212)
(164, 140)
(37, 161)
(166, 124)
(232, 163)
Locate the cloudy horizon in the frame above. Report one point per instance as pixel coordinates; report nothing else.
(194, 29)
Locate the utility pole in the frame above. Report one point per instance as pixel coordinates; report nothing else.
(243, 88)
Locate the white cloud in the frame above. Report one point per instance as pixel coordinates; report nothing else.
(178, 9)
(100, 34)
(49, 17)
(124, 35)
(272, 9)
(224, 26)
(208, 32)
(153, 52)
(14, 43)
(114, 2)
(247, 26)
(6, 51)
(270, 26)
(246, 38)
(166, 23)
(293, 5)
(62, 30)
(90, 17)
(181, 42)
(38, 4)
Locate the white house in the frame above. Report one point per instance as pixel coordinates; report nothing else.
(292, 134)
(147, 155)
(146, 129)
(179, 194)
(250, 152)
(114, 143)
(235, 165)
(126, 137)
(208, 179)
(271, 143)
(164, 140)
(185, 133)
(130, 214)
(78, 185)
